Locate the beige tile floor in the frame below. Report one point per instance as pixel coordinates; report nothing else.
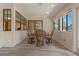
(24, 49)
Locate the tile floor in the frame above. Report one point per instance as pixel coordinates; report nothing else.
(24, 49)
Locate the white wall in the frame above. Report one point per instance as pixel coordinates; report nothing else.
(10, 38)
(6, 37)
(64, 38)
(19, 36)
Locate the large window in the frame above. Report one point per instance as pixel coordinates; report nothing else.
(64, 23)
(7, 19)
(21, 22)
(67, 21)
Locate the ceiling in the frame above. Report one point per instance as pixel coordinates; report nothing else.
(40, 9)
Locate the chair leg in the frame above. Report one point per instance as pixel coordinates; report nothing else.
(43, 43)
(37, 43)
(29, 41)
(51, 41)
(40, 43)
(48, 41)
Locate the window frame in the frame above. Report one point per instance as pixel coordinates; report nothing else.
(59, 24)
(7, 15)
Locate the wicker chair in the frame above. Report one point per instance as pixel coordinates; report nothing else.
(40, 36)
(49, 38)
(31, 37)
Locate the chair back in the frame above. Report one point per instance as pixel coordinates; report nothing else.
(40, 33)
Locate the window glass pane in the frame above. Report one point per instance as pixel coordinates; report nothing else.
(59, 24)
(9, 12)
(70, 21)
(56, 24)
(5, 11)
(5, 17)
(53, 25)
(17, 16)
(18, 25)
(22, 23)
(25, 24)
(9, 15)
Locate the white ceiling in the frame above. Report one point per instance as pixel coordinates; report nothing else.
(39, 9)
